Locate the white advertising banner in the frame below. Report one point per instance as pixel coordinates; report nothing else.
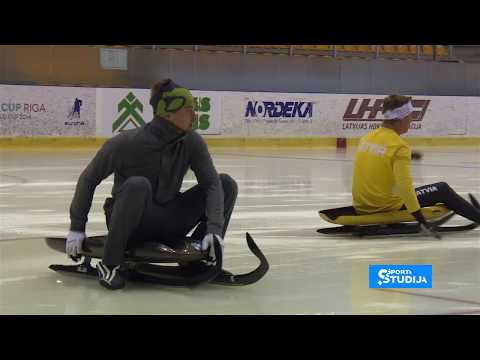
(432, 116)
(341, 115)
(47, 111)
(268, 114)
(124, 109)
(76, 111)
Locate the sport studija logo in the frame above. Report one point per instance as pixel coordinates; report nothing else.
(400, 276)
(371, 110)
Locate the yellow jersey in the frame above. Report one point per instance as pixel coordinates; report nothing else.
(382, 179)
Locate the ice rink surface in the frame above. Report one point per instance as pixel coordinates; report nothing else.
(280, 193)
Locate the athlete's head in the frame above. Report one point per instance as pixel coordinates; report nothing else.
(173, 103)
(397, 111)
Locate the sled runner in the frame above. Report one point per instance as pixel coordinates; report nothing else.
(141, 264)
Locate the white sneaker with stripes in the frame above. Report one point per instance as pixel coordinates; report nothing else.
(110, 278)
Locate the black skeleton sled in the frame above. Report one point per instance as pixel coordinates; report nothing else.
(390, 223)
(142, 263)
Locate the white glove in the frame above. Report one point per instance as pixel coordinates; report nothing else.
(74, 243)
(208, 244)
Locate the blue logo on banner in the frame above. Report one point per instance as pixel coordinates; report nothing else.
(75, 110)
(400, 276)
(279, 109)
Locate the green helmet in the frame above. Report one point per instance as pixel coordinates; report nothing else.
(170, 99)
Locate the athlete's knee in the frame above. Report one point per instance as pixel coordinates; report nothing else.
(229, 185)
(137, 185)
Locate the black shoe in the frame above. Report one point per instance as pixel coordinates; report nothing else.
(110, 277)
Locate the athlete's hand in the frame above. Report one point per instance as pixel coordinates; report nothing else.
(208, 244)
(425, 227)
(74, 243)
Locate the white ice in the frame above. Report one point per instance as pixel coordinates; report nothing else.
(280, 193)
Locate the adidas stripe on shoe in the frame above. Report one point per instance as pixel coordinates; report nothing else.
(110, 278)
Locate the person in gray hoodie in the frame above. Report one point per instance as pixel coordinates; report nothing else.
(149, 164)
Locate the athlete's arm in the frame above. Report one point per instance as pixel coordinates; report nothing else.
(105, 162)
(208, 179)
(403, 178)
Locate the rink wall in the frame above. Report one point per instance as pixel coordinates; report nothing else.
(80, 116)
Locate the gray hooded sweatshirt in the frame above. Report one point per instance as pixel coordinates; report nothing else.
(163, 154)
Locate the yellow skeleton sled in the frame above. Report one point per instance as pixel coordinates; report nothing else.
(389, 223)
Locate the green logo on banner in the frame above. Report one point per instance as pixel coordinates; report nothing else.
(202, 116)
(129, 105)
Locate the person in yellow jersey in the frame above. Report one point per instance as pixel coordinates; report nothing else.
(382, 179)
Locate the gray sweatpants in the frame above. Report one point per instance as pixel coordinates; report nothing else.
(134, 217)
